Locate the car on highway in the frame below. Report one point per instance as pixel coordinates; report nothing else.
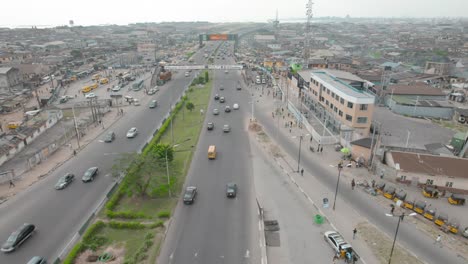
(239, 87)
(18, 237)
(153, 104)
(210, 126)
(190, 194)
(136, 102)
(226, 128)
(215, 111)
(235, 106)
(132, 132)
(116, 88)
(231, 190)
(227, 109)
(153, 90)
(226, 71)
(110, 136)
(221, 87)
(216, 97)
(64, 181)
(90, 95)
(90, 174)
(37, 260)
(187, 74)
(222, 99)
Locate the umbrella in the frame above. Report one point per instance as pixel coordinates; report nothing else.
(345, 150)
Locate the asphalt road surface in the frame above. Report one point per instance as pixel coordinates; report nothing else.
(216, 229)
(408, 236)
(59, 214)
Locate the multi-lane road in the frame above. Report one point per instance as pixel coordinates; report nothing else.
(59, 214)
(216, 229)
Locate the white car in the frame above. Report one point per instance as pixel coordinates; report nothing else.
(226, 128)
(153, 90)
(136, 102)
(132, 132)
(90, 95)
(116, 88)
(235, 107)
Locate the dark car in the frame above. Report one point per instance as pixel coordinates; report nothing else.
(216, 97)
(231, 190)
(90, 174)
(189, 195)
(210, 126)
(18, 237)
(37, 260)
(222, 100)
(109, 137)
(64, 181)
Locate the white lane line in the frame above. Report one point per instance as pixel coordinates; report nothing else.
(247, 254)
(259, 226)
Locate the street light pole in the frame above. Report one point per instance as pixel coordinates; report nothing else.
(299, 158)
(337, 184)
(400, 218)
(167, 173)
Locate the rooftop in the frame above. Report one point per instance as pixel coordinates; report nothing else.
(431, 164)
(414, 89)
(4, 70)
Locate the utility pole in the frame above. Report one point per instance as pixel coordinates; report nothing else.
(307, 34)
(76, 127)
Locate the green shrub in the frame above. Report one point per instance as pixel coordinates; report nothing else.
(92, 230)
(77, 249)
(159, 223)
(126, 225)
(149, 235)
(164, 214)
(95, 242)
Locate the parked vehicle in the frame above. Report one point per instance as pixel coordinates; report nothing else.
(340, 246)
(456, 199)
(430, 192)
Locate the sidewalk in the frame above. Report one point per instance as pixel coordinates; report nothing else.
(60, 156)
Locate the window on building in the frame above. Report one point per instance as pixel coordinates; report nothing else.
(403, 177)
(350, 105)
(342, 101)
(449, 184)
(340, 113)
(349, 118)
(333, 95)
(363, 107)
(331, 106)
(429, 182)
(362, 120)
(326, 102)
(335, 109)
(328, 91)
(337, 97)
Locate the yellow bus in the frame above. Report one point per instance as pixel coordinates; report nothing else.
(86, 89)
(104, 81)
(94, 86)
(212, 152)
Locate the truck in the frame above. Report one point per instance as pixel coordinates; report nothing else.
(342, 249)
(164, 77)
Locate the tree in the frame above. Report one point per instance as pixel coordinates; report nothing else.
(201, 80)
(76, 54)
(190, 106)
(160, 152)
(207, 78)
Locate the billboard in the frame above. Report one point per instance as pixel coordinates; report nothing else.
(218, 37)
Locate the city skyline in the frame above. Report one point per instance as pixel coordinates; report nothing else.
(49, 13)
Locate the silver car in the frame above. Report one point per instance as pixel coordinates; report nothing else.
(226, 128)
(132, 132)
(215, 111)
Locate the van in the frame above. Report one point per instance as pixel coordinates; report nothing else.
(104, 81)
(212, 152)
(257, 80)
(86, 89)
(94, 86)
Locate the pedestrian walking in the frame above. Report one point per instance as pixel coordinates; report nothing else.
(353, 183)
(373, 183)
(354, 233)
(335, 258)
(121, 111)
(11, 184)
(321, 149)
(392, 209)
(438, 240)
(74, 152)
(302, 172)
(289, 130)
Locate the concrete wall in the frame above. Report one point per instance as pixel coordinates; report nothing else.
(435, 112)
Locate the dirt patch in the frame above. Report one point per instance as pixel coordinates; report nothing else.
(254, 126)
(118, 254)
(381, 245)
(276, 151)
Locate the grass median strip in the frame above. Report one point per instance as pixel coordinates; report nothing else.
(131, 225)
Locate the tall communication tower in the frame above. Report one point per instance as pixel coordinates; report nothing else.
(307, 34)
(276, 24)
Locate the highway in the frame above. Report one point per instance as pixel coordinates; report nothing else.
(216, 229)
(59, 214)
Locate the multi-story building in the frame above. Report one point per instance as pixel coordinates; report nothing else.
(342, 98)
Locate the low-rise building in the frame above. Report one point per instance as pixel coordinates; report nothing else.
(10, 80)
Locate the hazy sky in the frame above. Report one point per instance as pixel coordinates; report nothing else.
(92, 12)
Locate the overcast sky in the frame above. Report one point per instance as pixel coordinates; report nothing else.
(93, 12)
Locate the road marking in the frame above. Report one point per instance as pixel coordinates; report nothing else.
(221, 257)
(171, 256)
(259, 226)
(196, 254)
(111, 153)
(247, 254)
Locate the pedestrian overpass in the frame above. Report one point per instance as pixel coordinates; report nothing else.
(204, 67)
